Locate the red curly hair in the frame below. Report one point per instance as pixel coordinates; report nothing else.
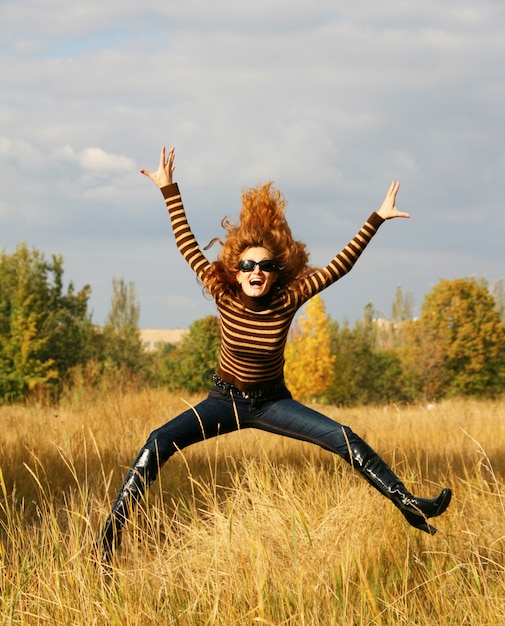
(262, 223)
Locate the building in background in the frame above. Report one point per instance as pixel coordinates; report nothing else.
(155, 338)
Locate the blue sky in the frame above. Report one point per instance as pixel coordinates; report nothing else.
(331, 100)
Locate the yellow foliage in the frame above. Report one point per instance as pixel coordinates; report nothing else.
(309, 362)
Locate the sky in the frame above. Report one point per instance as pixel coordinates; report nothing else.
(330, 100)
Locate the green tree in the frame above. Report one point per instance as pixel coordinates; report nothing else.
(122, 346)
(43, 329)
(364, 373)
(22, 365)
(71, 335)
(457, 346)
(347, 350)
(191, 363)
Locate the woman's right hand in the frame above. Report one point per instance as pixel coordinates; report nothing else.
(162, 177)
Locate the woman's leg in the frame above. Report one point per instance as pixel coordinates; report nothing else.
(292, 419)
(376, 472)
(209, 418)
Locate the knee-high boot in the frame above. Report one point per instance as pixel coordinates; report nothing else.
(142, 473)
(376, 472)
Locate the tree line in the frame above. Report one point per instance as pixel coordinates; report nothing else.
(48, 341)
(49, 345)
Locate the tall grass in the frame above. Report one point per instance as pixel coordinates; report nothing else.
(250, 528)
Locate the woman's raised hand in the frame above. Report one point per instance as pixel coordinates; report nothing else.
(162, 177)
(388, 209)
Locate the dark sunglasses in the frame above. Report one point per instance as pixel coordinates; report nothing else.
(248, 265)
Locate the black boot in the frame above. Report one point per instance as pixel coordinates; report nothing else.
(142, 473)
(376, 472)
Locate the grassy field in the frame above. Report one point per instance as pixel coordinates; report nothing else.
(250, 528)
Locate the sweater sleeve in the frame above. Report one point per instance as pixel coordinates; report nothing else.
(184, 238)
(344, 261)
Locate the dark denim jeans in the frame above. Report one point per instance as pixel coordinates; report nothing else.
(220, 413)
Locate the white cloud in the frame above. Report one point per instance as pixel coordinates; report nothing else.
(329, 99)
(98, 159)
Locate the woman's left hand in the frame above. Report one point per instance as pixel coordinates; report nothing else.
(388, 209)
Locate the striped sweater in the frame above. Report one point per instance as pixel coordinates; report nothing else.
(254, 330)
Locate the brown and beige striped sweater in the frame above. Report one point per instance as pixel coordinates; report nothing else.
(254, 330)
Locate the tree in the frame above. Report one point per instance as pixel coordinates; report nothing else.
(122, 347)
(364, 373)
(43, 330)
(309, 362)
(22, 366)
(190, 364)
(403, 306)
(71, 335)
(458, 344)
(402, 310)
(499, 296)
(348, 351)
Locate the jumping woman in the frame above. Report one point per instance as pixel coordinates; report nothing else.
(259, 281)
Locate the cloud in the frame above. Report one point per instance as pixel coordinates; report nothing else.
(97, 159)
(331, 100)
(27, 155)
(21, 152)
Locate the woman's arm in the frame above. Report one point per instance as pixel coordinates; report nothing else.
(345, 260)
(184, 238)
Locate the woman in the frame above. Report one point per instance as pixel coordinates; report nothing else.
(260, 280)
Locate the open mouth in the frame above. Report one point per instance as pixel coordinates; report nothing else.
(256, 282)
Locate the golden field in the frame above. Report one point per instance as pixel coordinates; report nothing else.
(250, 528)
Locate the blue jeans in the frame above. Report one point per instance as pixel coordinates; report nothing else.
(221, 413)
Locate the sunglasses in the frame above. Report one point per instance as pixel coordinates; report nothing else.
(248, 265)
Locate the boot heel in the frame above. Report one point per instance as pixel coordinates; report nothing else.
(418, 521)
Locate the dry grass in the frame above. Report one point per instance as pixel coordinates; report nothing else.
(250, 528)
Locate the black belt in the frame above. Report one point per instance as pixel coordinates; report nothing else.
(251, 394)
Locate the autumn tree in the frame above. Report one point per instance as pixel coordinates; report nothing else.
(309, 362)
(457, 347)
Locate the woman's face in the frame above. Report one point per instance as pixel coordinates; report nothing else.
(257, 282)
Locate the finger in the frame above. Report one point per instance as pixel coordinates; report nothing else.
(171, 156)
(146, 172)
(402, 214)
(162, 157)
